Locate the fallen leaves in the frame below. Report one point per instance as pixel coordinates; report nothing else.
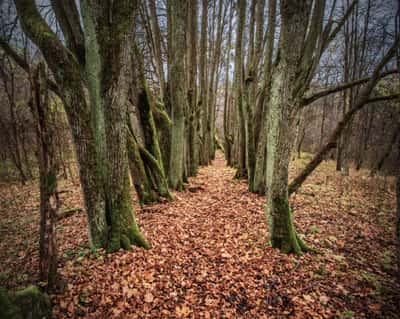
(210, 256)
(148, 297)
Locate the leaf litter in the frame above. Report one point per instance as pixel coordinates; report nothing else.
(210, 256)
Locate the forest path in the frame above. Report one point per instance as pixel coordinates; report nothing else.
(210, 257)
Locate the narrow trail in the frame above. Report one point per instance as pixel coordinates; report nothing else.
(210, 257)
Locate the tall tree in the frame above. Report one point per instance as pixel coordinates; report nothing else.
(177, 89)
(48, 169)
(302, 41)
(193, 114)
(203, 83)
(260, 113)
(93, 74)
(238, 88)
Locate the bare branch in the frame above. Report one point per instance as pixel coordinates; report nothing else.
(68, 18)
(383, 98)
(362, 99)
(334, 89)
(21, 61)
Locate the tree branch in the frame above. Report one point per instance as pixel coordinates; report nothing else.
(383, 98)
(14, 55)
(24, 64)
(361, 100)
(68, 18)
(334, 89)
(61, 61)
(330, 35)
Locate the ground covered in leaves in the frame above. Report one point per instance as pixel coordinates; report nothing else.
(210, 255)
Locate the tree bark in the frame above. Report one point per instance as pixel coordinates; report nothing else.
(260, 113)
(204, 159)
(238, 87)
(177, 91)
(193, 141)
(282, 109)
(48, 168)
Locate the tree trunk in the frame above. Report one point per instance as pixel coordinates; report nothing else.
(281, 112)
(204, 158)
(177, 91)
(48, 168)
(260, 113)
(157, 40)
(228, 135)
(149, 131)
(193, 143)
(113, 29)
(141, 180)
(239, 103)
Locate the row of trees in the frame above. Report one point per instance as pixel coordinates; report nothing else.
(140, 83)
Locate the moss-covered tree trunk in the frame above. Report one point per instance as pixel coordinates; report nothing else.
(156, 177)
(177, 91)
(67, 73)
(280, 117)
(92, 75)
(141, 180)
(113, 30)
(281, 114)
(193, 159)
(251, 82)
(147, 173)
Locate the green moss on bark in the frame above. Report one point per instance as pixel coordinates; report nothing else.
(27, 303)
(124, 230)
(283, 233)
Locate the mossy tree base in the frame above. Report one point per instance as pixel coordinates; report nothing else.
(27, 303)
(283, 234)
(124, 231)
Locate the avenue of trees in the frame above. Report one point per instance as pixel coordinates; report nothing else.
(142, 93)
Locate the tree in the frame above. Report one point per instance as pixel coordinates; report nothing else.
(260, 113)
(177, 90)
(145, 158)
(298, 55)
(238, 89)
(203, 83)
(193, 156)
(92, 76)
(48, 169)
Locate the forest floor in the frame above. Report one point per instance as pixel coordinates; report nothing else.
(210, 256)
